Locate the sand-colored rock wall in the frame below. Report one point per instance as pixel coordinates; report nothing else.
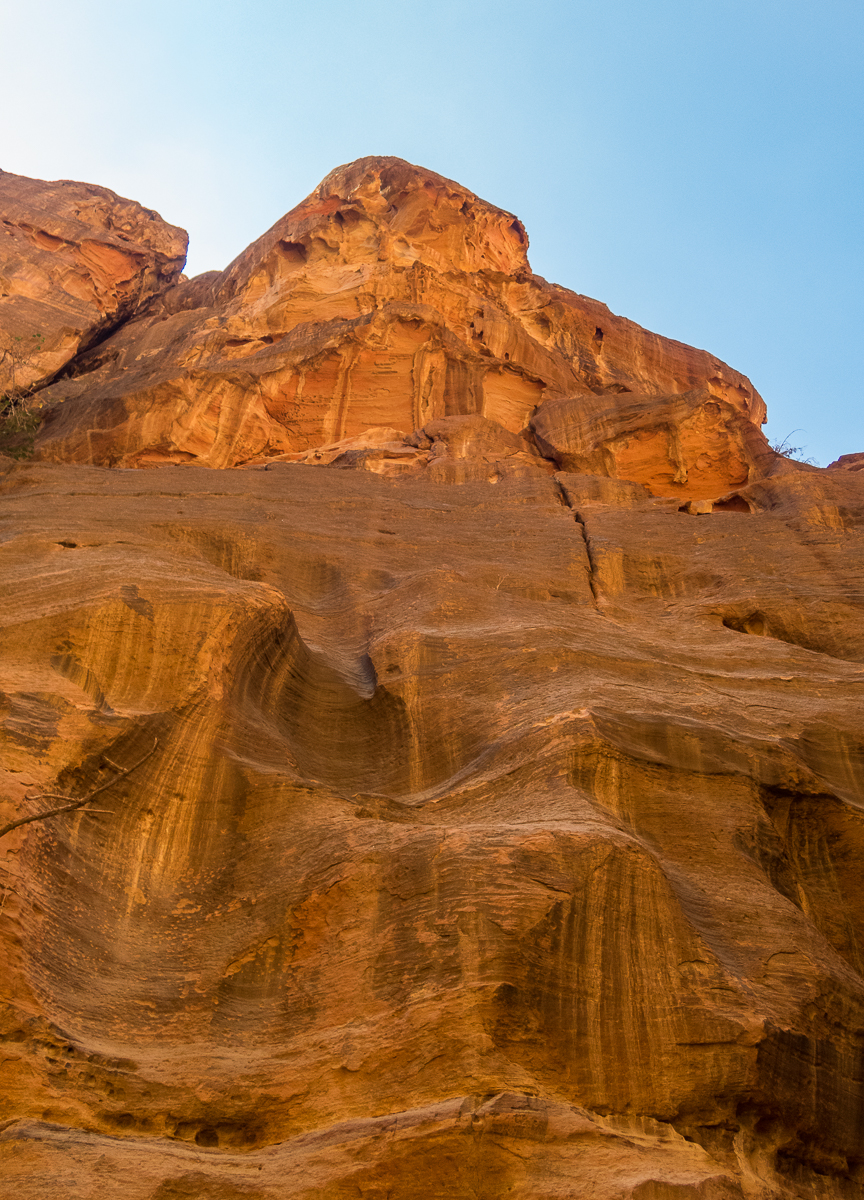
(460, 793)
(477, 777)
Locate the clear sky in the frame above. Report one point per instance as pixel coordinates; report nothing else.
(696, 164)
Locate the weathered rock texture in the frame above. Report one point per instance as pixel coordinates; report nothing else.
(75, 261)
(498, 840)
(389, 298)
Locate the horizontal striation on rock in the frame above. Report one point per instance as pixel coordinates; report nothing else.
(459, 792)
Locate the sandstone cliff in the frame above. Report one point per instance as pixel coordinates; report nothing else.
(75, 261)
(503, 834)
(388, 299)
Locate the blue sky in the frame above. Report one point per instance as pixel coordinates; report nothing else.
(696, 164)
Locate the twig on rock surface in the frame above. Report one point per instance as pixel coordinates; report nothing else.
(53, 812)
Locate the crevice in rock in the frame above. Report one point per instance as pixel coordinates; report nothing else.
(734, 503)
(565, 501)
(592, 564)
(561, 494)
(759, 624)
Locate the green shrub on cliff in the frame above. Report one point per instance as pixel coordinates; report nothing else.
(19, 416)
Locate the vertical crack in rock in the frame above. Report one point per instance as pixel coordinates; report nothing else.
(592, 568)
(565, 500)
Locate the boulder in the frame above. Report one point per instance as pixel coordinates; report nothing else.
(691, 445)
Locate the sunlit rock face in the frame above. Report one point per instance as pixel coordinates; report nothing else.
(498, 825)
(75, 261)
(390, 298)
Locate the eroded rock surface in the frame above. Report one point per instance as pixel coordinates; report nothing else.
(75, 261)
(498, 838)
(390, 298)
(499, 822)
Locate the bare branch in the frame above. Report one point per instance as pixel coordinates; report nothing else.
(53, 812)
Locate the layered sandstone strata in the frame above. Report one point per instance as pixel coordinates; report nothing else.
(497, 828)
(497, 839)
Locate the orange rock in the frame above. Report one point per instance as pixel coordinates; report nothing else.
(495, 840)
(75, 261)
(848, 462)
(508, 833)
(692, 445)
(391, 297)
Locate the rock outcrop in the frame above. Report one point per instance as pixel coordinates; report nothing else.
(75, 261)
(485, 840)
(390, 298)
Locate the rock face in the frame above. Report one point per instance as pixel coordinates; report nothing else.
(390, 298)
(484, 840)
(75, 261)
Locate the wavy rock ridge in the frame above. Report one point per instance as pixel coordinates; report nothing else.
(498, 840)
